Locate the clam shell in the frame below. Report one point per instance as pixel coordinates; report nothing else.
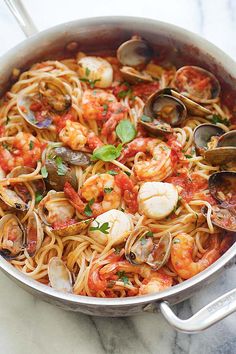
(224, 218)
(59, 275)
(133, 76)
(72, 229)
(12, 199)
(134, 52)
(34, 234)
(10, 226)
(160, 253)
(203, 134)
(222, 186)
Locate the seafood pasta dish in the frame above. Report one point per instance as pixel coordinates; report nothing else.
(117, 173)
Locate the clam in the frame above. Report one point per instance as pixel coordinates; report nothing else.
(54, 92)
(162, 112)
(134, 52)
(24, 105)
(72, 157)
(57, 180)
(225, 150)
(222, 186)
(197, 83)
(12, 236)
(72, 229)
(133, 76)
(34, 234)
(59, 275)
(54, 208)
(37, 185)
(206, 136)
(140, 248)
(224, 218)
(10, 198)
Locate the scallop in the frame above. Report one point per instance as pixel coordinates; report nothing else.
(96, 71)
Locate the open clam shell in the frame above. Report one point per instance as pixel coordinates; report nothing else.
(12, 236)
(225, 150)
(138, 246)
(73, 229)
(133, 76)
(55, 94)
(222, 186)
(77, 158)
(37, 185)
(224, 218)
(12, 199)
(134, 52)
(55, 208)
(162, 112)
(56, 180)
(59, 275)
(160, 253)
(34, 234)
(196, 82)
(204, 134)
(24, 105)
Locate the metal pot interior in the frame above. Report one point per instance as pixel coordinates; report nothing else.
(104, 35)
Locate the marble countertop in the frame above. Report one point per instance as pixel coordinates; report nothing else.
(28, 325)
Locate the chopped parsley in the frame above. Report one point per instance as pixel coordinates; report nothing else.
(188, 156)
(149, 234)
(6, 146)
(31, 145)
(112, 172)
(123, 277)
(124, 93)
(87, 71)
(127, 173)
(105, 109)
(88, 210)
(38, 197)
(103, 228)
(44, 172)
(143, 240)
(218, 119)
(91, 83)
(108, 190)
(61, 168)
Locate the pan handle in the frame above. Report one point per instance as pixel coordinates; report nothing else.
(204, 318)
(22, 17)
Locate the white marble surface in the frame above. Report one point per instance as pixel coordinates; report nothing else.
(30, 326)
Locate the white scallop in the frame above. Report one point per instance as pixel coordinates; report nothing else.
(119, 225)
(95, 68)
(157, 199)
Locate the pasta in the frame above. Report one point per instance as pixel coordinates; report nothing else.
(104, 189)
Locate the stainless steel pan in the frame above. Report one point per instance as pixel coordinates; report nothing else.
(183, 47)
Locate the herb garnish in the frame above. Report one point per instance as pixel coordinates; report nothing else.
(123, 277)
(149, 234)
(112, 172)
(108, 190)
(61, 168)
(91, 83)
(38, 197)
(44, 171)
(31, 145)
(88, 210)
(188, 156)
(218, 119)
(125, 130)
(87, 71)
(107, 153)
(103, 228)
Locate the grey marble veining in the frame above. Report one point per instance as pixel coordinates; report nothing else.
(30, 326)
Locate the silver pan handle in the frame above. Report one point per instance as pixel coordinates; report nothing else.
(22, 17)
(206, 317)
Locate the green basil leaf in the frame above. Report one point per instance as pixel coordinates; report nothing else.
(108, 190)
(107, 153)
(38, 197)
(31, 145)
(112, 172)
(125, 130)
(61, 168)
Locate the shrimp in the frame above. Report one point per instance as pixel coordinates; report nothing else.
(155, 283)
(100, 191)
(129, 192)
(95, 104)
(76, 136)
(156, 165)
(23, 150)
(117, 113)
(181, 255)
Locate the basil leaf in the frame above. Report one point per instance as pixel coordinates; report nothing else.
(188, 156)
(125, 130)
(149, 234)
(87, 71)
(88, 210)
(107, 153)
(31, 145)
(44, 172)
(103, 228)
